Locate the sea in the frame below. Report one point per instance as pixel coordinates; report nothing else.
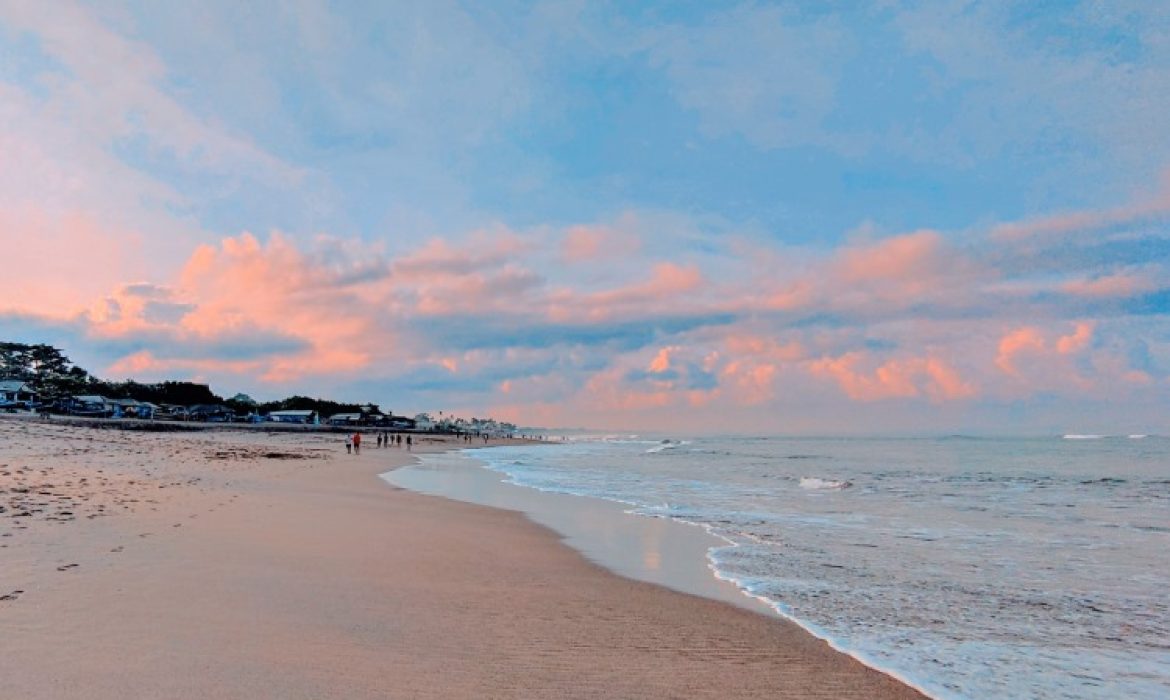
(970, 567)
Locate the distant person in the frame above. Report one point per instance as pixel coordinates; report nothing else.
(348, 444)
(379, 440)
(409, 442)
(357, 443)
(399, 438)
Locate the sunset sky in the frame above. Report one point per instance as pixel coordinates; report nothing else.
(823, 217)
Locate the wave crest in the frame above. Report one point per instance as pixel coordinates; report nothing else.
(817, 484)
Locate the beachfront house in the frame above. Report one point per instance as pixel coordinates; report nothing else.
(89, 405)
(305, 417)
(211, 413)
(170, 412)
(423, 421)
(400, 422)
(129, 408)
(345, 419)
(15, 393)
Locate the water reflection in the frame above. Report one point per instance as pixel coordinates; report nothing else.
(656, 550)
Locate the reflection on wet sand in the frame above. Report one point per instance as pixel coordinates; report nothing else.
(656, 550)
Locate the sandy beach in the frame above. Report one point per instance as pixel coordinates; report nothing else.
(232, 564)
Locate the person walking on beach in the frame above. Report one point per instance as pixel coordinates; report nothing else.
(357, 443)
(379, 440)
(399, 438)
(408, 443)
(348, 444)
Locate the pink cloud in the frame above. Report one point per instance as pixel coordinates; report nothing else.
(667, 281)
(796, 295)
(895, 378)
(884, 275)
(146, 364)
(1036, 359)
(589, 243)
(900, 270)
(62, 261)
(479, 251)
(583, 243)
(476, 293)
(751, 345)
(913, 255)
(753, 380)
(1077, 340)
(1151, 208)
(661, 361)
(1111, 286)
(348, 310)
(1026, 339)
(1031, 341)
(244, 284)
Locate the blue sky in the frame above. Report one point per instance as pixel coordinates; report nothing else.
(880, 208)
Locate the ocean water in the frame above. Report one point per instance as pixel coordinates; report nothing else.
(970, 567)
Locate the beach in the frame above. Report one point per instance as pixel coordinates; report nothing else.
(226, 564)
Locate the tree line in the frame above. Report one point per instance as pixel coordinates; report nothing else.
(54, 377)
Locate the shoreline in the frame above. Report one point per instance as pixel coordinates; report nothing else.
(228, 573)
(587, 542)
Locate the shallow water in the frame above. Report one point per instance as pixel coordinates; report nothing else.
(972, 567)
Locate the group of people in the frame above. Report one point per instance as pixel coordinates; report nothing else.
(353, 441)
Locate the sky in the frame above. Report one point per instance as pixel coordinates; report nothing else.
(760, 217)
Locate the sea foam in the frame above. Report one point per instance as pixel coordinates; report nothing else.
(952, 564)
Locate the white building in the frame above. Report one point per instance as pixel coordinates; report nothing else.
(16, 392)
(303, 417)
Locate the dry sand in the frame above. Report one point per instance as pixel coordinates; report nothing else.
(257, 565)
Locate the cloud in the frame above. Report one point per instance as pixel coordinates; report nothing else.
(470, 323)
(1109, 286)
(898, 378)
(132, 101)
(1046, 87)
(667, 280)
(1149, 209)
(1018, 341)
(592, 243)
(1077, 340)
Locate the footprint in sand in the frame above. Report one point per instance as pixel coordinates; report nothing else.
(11, 596)
(119, 548)
(67, 567)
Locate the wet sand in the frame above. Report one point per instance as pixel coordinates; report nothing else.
(248, 564)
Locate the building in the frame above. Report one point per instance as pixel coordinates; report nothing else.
(305, 417)
(129, 408)
(211, 413)
(401, 422)
(346, 419)
(89, 405)
(170, 412)
(16, 393)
